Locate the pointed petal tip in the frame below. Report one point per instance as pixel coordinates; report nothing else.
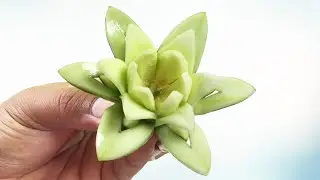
(60, 71)
(253, 89)
(205, 170)
(201, 14)
(250, 89)
(112, 7)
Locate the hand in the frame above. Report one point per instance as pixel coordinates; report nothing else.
(48, 132)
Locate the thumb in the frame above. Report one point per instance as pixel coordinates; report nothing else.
(56, 106)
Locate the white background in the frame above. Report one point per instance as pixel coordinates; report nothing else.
(272, 44)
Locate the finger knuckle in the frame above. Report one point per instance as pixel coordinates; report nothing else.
(74, 101)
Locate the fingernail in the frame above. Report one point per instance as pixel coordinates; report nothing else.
(161, 147)
(99, 107)
(155, 154)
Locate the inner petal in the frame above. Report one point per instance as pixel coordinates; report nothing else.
(185, 44)
(137, 90)
(170, 104)
(133, 77)
(183, 85)
(134, 111)
(171, 64)
(137, 42)
(147, 63)
(182, 118)
(144, 96)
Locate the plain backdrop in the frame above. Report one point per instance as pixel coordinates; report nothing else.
(272, 44)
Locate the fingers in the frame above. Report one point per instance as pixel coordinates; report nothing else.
(56, 106)
(90, 166)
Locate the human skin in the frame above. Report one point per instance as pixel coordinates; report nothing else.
(48, 132)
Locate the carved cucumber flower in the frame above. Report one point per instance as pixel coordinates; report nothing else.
(155, 90)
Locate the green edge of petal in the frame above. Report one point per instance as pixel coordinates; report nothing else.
(82, 76)
(116, 25)
(116, 71)
(137, 43)
(185, 44)
(196, 157)
(134, 111)
(197, 22)
(230, 91)
(109, 135)
(182, 118)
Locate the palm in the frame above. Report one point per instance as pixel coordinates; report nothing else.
(39, 137)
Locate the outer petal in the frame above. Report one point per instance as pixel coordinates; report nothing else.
(230, 91)
(107, 82)
(137, 42)
(197, 156)
(112, 143)
(116, 71)
(202, 86)
(198, 23)
(116, 23)
(82, 75)
(182, 132)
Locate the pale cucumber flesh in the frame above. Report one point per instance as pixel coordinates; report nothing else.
(116, 25)
(77, 75)
(197, 156)
(109, 135)
(135, 111)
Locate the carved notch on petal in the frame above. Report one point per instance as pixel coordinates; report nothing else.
(116, 71)
(109, 135)
(82, 75)
(231, 91)
(197, 156)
